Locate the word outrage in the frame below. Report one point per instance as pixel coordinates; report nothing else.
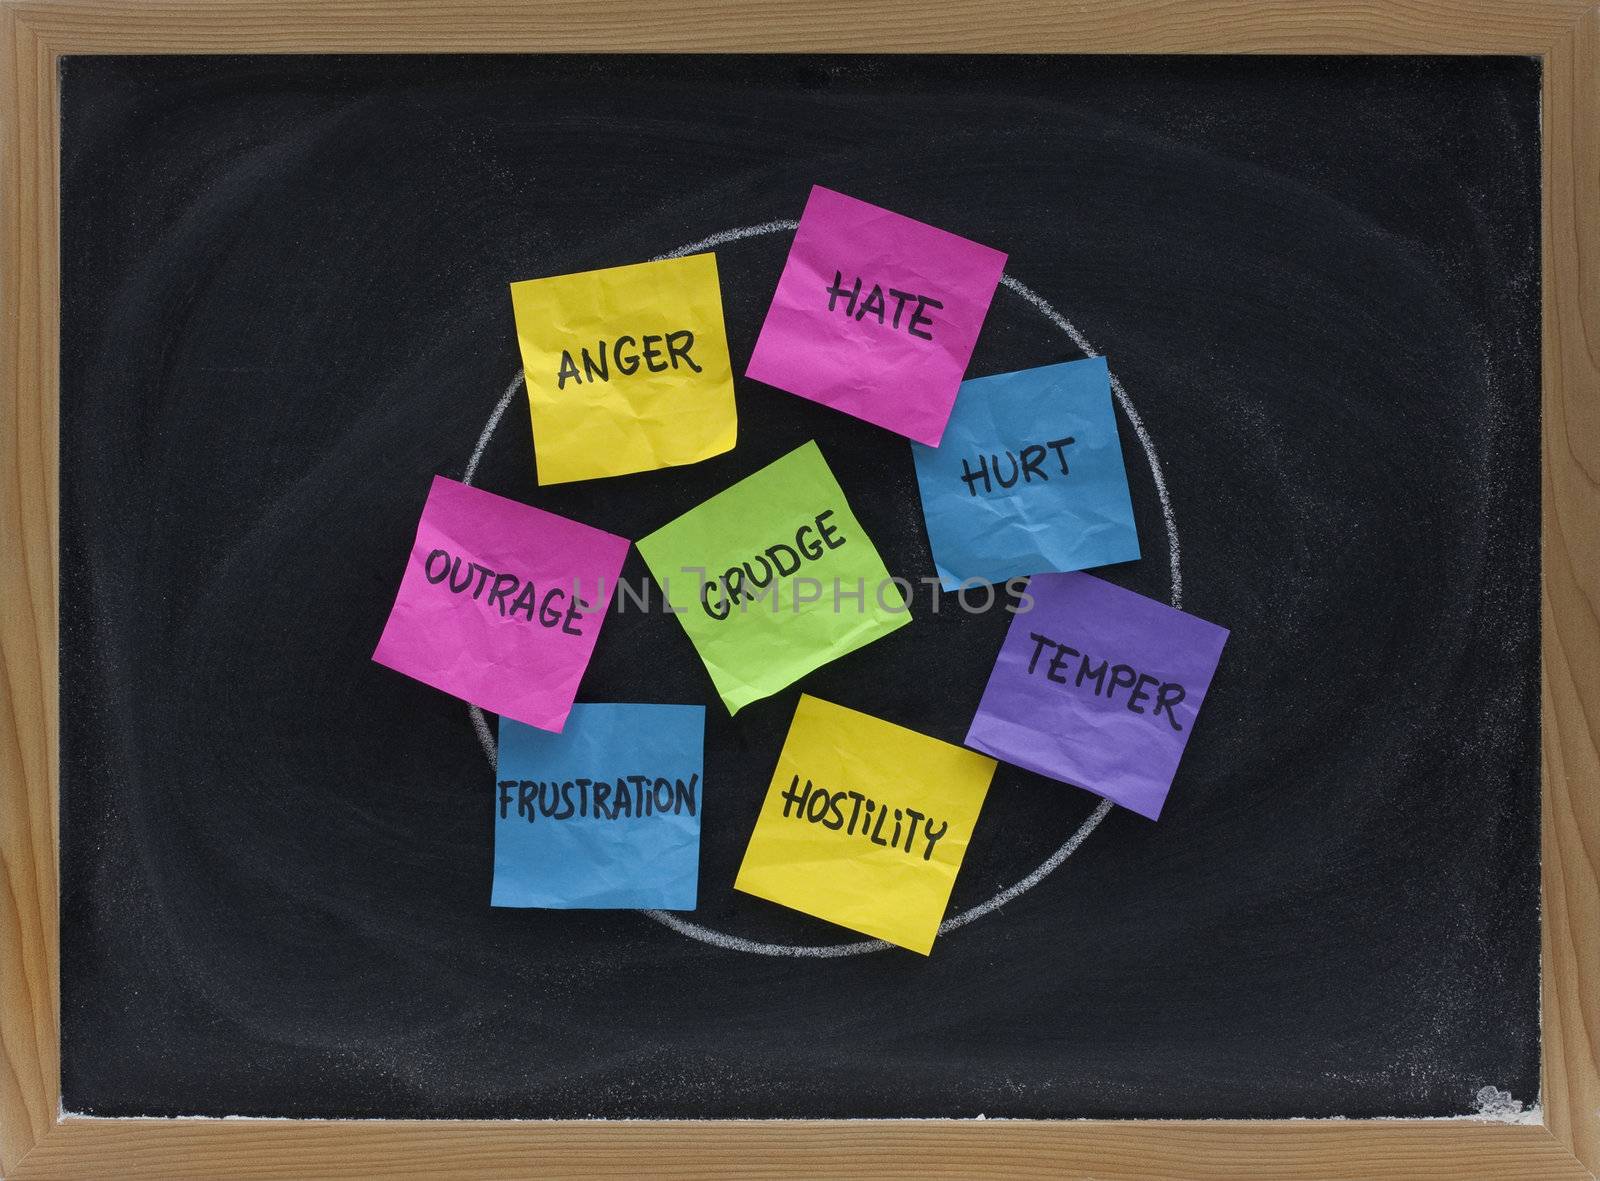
(440, 566)
(626, 796)
(626, 359)
(873, 304)
(829, 809)
(1030, 465)
(1168, 694)
(741, 582)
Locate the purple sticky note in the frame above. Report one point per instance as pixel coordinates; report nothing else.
(1098, 687)
(501, 603)
(876, 315)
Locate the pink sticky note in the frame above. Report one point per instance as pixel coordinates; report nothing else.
(894, 349)
(501, 603)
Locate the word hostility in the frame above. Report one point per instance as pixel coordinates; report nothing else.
(843, 810)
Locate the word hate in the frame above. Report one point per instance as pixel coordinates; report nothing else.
(873, 304)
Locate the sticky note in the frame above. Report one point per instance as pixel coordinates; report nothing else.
(865, 824)
(626, 368)
(605, 814)
(773, 577)
(1098, 687)
(876, 315)
(500, 603)
(1029, 477)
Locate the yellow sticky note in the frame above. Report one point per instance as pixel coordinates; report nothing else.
(865, 824)
(627, 368)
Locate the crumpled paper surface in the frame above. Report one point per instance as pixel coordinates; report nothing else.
(1047, 521)
(1068, 731)
(885, 891)
(504, 663)
(589, 862)
(876, 372)
(773, 642)
(583, 428)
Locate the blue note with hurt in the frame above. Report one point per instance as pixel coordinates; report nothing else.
(605, 814)
(1028, 478)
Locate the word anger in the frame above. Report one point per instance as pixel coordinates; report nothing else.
(626, 359)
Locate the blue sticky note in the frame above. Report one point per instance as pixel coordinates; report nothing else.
(605, 814)
(1028, 477)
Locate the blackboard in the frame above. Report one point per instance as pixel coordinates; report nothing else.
(284, 310)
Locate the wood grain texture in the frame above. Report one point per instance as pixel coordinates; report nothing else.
(34, 1144)
(972, 26)
(29, 1056)
(925, 1149)
(1571, 517)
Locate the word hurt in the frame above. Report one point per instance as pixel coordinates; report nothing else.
(1030, 465)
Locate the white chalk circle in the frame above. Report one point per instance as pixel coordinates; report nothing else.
(728, 942)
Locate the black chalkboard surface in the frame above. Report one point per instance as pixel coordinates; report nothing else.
(285, 310)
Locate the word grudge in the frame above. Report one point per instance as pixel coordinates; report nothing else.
(626, 368)
(501, 603)
(605, 814)
(865, 824)
(1029, 478)
(1099, 687)
(876, 315)
(773, 577)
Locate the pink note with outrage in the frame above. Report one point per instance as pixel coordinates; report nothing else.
(501, 603)
(876, 315)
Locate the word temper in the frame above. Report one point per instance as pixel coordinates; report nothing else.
(1168, 694)
(626, 359)
(873, 304)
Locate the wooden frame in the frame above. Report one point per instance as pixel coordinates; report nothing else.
(35, 1143)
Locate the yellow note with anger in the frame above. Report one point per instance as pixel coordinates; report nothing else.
(627, 368)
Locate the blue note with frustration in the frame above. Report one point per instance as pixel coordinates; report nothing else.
(605, 814)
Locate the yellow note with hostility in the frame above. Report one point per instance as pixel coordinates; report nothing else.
(865, 824)
(627, 368)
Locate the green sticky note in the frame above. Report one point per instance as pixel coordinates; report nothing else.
(774, 577)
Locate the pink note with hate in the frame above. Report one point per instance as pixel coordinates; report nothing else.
(876, 315)
(501, 603)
